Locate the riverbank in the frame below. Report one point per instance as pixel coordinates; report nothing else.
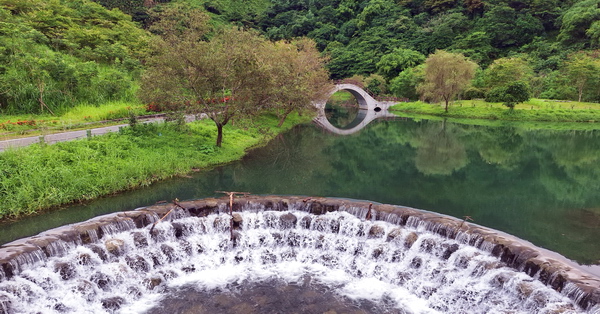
(533, 110)
(80, 117)
(40, 177)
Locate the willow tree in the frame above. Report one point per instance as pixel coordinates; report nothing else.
(446, 75)
(224, 73)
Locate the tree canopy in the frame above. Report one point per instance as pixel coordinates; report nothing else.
(58, 53)
(230, 73)
(446, 75)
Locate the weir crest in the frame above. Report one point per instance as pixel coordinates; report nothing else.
(372, 256)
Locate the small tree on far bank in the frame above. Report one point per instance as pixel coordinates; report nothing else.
(446, 75)
(510, 95)
(582, 70)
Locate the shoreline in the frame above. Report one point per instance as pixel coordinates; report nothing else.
(86, 168)
(576, 119)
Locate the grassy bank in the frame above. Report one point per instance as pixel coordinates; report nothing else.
(39, 177)
(533, 110)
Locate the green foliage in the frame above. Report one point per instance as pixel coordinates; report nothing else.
(495, 94)
(40, 176)
(232, 73)
(508, 27)
(582, 70)
(504, 71)
(391, 64)
(529, 111)
(473, 93)
(577, 22)
(56, 54)
(375, 84)
(405, 84)
(475, 46)
(509, 94)
(446, 75)
(388, 37)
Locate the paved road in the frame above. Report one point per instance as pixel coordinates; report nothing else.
(72, 135)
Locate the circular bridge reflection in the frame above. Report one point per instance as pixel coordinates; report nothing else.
(353, 114)
(342, 110)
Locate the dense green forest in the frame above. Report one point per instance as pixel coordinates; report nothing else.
(58, 53)
(55, 54)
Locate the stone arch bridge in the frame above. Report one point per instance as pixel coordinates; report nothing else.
(370, 109)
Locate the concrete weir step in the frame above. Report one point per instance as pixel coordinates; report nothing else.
(548, 267)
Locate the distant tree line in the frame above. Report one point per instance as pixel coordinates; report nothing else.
(57, 53)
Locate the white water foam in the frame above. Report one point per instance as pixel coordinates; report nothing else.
(405, 268)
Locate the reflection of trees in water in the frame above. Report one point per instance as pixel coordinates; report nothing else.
(528, 183)
(577, 157)
(500, 146)
(439, 151)
(341, 112)
(290, 164)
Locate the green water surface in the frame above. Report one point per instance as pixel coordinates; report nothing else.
(539, 185)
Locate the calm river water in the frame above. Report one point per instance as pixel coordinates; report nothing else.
(540, 185)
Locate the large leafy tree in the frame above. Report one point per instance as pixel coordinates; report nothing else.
(582, 70)
(221, 77)
(298, 77)
(446, 75)
(507, 70)
(232, 73)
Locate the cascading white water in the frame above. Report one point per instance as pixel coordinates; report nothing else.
(407, 269)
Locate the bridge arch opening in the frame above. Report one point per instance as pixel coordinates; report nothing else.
(345, 108)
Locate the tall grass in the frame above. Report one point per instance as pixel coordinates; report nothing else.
(108, 111)
(38, 177)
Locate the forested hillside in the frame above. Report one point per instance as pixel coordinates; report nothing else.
(387, 36)
(56, 52)
(550, 44)
(358, 33)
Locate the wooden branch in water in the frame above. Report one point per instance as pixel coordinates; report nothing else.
(369, 212)
(231, 195)
(176, 202)
(465, 219)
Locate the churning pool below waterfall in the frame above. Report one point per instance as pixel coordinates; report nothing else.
(279, 262)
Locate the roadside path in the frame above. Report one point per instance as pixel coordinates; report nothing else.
(73, 135)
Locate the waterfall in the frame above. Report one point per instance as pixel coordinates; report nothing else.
(391, 262)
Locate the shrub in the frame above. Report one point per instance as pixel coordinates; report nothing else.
(473, 93)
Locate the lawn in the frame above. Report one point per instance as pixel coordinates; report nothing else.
(532, 110)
